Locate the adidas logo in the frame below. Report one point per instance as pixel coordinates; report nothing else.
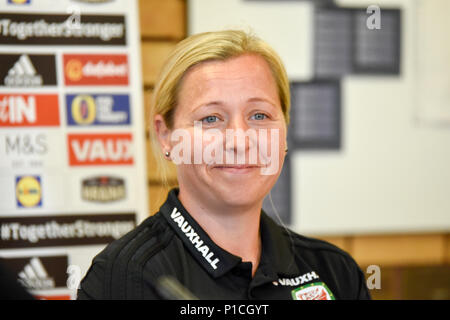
(23, 74)
(34, 276)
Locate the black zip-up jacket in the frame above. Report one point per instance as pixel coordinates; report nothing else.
(171, 243)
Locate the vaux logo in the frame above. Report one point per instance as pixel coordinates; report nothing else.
(100, 109)
(194, 238)
(18, 110)
(100, 149)
(297, 280)
(95, 69)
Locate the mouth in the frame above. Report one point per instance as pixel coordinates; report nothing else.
(237, 169)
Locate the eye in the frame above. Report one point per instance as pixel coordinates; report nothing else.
(259, 116)
(210, 119)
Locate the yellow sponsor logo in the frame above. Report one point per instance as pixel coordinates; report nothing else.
(74, 69)
(19, 1)
(28, 191)
(83, 109)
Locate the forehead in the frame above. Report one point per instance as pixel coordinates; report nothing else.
(247, 74)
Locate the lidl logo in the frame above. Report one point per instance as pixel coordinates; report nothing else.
(28, 191)
(19, 1)
(97, 109)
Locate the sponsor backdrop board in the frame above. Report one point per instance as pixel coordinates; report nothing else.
(72, 152)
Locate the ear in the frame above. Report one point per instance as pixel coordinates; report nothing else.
(162, 133)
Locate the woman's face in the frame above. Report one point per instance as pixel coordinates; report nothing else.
(233, 129)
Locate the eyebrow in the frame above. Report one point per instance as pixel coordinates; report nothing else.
(219, 102)
(258, 99)
(208, 104)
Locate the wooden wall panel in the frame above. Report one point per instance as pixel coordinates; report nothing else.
(447, 249)
(162, 18)
(157, 196)
(162, 25)
(340, 242)
(399, 250)
(154, 54)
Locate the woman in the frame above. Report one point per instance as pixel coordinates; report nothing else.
(220, 112)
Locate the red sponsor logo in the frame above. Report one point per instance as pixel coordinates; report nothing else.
(95, 69)
(100, 149)
(313, 291)
(314, 294)
(23, 110)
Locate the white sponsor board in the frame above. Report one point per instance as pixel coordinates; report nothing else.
(72, 148)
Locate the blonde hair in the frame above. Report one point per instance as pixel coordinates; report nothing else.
(202, 47)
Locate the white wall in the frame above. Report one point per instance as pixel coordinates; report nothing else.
(286, 25)
(392, 173)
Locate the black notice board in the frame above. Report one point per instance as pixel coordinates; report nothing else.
(315, 115)
(377, 51)
(343, 43)
(333, 42)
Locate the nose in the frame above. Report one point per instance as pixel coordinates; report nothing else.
(239, 138)
(237, 122)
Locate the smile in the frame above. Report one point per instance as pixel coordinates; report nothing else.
(237, 169)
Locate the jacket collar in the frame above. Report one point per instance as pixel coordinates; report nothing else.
(276, 256)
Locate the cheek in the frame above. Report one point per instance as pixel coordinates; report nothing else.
(192, 175)
(273, 143)
(276, 153)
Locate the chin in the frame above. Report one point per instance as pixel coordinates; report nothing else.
(229, 187)
(243, 193)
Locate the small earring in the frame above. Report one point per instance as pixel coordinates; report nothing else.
(167, 154)
(286, 150)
